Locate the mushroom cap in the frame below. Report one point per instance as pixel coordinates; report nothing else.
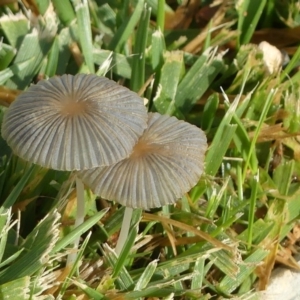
(167, 162)
(74, 122)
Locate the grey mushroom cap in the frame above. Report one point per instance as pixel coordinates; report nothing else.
(74, 122)
(167, 162)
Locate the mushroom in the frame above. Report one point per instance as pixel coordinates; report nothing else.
(166, 162)
(75, 123)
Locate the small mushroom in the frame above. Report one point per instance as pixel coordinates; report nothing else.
(74, 122)
(167, 162)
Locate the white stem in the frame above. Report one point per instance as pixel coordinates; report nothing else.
(124, 229)
(80, 213)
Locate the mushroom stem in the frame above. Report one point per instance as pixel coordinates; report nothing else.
(124, 229)
(80, 212)
(80, 202)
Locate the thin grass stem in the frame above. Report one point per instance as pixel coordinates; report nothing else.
(161, 15)
(252, 210)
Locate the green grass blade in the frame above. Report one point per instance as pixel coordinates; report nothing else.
(7, 54)
(226, 262)
(5, 219)
(249, 12)
(282, 176)
(160, 22)
(126, 29)
(105, 18)
(199, 274)
(64, 11)
(53, 59)
(11, 199)
(209, 112)
(146, 276)
(85, 33)
(12, 258)
(127, 248)
(17, 289)
(214, 156)
(33, 47)
(68, 239)
(262, 118)
(90, 292)
(156, 5)
(253, 197)
(138, 60)
(158, 48)
(64, 40)
(14, 28)
(164, 100)
(124, 279)
(42, 6)
(37, 246)
(75, 265)
(121, 65)
(198, 79)
(215, 200)
(15, 69)
(229, 284)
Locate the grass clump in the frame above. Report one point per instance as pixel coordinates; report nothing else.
(198, 61)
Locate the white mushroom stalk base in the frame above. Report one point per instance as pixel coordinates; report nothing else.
(80, 213)
(124, 230)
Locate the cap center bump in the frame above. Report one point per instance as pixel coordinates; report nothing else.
(142, 149)
(72, 108)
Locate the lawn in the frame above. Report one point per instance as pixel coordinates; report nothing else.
(230, 68)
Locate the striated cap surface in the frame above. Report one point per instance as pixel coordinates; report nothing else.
(74, 122)
(167, 162)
